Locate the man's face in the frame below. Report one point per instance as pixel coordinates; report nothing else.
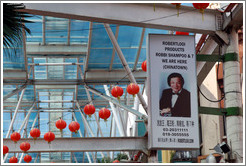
(176, 84)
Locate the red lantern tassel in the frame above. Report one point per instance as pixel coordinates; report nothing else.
(177, 7)
(202, 11)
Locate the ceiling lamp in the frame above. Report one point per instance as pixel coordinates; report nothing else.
(13, 160)
(35, 133)
(25, 146)
(5, 149)
(15, 136)
(144, 66)
(117, 92)
(28, 158)
(133, 89)
(61, 124)
(74, 126)
(89, 109)
(49, 136)
(181, 33)
(201, 7)
(104, 113)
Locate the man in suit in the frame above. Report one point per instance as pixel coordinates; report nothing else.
(175, 101)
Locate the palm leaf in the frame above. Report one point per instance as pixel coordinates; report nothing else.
(13, 27)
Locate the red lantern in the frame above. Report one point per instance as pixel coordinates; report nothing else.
(61, 124)
(89, 109)
(178, 5)
(5, 149)
(181, 33)
(35, 133)
(144, 66)
(104, 114)
(117, 92)
(15, 136)
(28, 158)
(133, 89)
(74, 126)
(201, 7)
(25, 146)
(13, 160)
(116, 161)
(49, 136)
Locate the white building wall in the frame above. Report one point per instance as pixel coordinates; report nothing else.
(212, 125)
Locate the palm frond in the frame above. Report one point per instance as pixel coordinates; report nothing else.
(14, 26)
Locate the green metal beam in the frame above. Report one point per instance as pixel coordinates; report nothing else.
(221, 111)
(209, 58)
(212, 111)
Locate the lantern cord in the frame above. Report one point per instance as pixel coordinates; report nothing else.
(124, 77)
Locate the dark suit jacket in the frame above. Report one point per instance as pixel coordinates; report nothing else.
(182, 105)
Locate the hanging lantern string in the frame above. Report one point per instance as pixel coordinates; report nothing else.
(54, 120)
(46, 123)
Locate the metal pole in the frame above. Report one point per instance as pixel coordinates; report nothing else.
(117, 120)
(75, 157)
(15, 113)
(126, 108)
(26, 118)
(113, 131)
(80, 134)
(134, 126)
(86, 123)
(36, 158)
(233, 98)
(124, 63)
(54, 64)
(89, 98)
(91, 102)
(33, 124)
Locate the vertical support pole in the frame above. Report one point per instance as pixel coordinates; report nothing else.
(26, 118)
(117, 120)
(134, 126)
(124, 63)
(16, 110)
(33, 124)
(233, 98)
(113, 132)
(80, 134)
(12, 121)
(36, 158)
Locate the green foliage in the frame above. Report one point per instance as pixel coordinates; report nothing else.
(105, 160)
(121, 156)
(13, 25)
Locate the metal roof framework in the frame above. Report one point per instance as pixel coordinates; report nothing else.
(74, 57)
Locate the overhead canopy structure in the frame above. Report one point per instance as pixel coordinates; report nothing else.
(70, 60)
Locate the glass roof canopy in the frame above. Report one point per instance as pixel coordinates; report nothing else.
(55, 32)
(70, 45)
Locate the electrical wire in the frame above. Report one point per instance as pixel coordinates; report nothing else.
(217, 74)
(208, 98)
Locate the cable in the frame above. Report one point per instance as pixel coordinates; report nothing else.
(217, 74)
(208, 98)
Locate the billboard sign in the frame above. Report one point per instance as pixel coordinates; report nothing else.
(172, 90)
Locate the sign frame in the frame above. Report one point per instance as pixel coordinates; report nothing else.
(168, 57)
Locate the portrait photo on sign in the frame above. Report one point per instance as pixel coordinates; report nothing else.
(174, 95)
